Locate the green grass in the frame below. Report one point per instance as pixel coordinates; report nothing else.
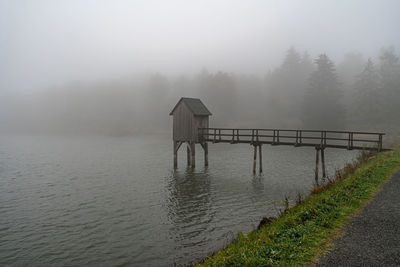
(304, 232)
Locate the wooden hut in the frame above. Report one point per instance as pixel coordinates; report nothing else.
(189, 114)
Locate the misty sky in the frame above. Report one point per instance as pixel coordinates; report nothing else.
(44, 43)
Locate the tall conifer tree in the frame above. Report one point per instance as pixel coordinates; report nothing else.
(323, 108)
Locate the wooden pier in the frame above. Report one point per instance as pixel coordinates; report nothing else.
(191, 127)
(319, 139)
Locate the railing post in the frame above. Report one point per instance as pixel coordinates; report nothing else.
(348, 144)
(257, 136)
(252, 136)
(323, 162)
(316, 164)
(260, 157)
(301, 140)
(237, 131)
(352, 138)
(322, 138)
(273, 138)
(233, 136)
(380, 143)
(219, 131)
(255, 159)
(278, 136)
(215, 135)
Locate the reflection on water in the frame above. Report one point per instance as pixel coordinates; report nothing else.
(189, 205)
(117, 201)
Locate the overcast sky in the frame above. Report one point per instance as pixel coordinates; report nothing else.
(44, 43)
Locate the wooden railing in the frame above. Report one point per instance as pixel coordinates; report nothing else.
(322, 139)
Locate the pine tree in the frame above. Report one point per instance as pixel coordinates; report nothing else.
(367, 104)
(286, 86)
(323, 108)
(390, 74)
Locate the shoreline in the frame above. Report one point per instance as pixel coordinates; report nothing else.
(303, 233)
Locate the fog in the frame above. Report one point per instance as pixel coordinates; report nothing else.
(119, 67)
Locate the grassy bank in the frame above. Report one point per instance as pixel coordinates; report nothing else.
(304, 232)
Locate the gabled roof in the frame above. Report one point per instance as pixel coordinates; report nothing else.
(195, 105)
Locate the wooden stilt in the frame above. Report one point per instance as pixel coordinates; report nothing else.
(323, 162)
(175, 155)
(205, 147)
(193, 150)
(188, 154)
(316, 164)
(177, 145)
(260, 157)
(255, 159)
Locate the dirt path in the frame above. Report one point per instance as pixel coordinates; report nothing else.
(373, 237)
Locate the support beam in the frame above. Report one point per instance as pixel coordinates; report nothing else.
(323, 162)
(205, 147)
(193, 150)
(175, 155)
(316, 164)
(188, 154)
(255, 159)
(177, 145)
(260, 158)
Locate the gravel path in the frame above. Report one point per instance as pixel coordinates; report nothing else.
(373, 237)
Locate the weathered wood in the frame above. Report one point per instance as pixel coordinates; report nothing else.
(316, 164)
(352, 140)
(215, 135)
(175, 156)
(323, 162)
(193, 150)
(191, 125)
(255, 159)
(205, 148)
(177, 145)
(188, 154)
(205, 154)
(186, 124)
(260, 157)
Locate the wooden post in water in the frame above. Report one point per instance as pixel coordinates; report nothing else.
(205, 154)
(260, 157)
(175, 155)
(177, 145)
(255, 159)
(205, 148)
(193, 150)
(316, 164)
(188, 154)
(323, 162)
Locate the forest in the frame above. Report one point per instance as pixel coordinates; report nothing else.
(304, 91)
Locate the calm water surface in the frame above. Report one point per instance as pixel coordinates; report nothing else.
(98, 201)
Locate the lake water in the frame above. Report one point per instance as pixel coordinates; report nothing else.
(98, 201)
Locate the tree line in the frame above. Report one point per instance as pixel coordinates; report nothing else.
(302, 92)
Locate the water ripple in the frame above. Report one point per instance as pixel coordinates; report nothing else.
(105, 201)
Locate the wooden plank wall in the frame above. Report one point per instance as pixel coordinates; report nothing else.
(183, 121)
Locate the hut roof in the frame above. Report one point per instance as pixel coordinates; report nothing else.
(195, 105)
